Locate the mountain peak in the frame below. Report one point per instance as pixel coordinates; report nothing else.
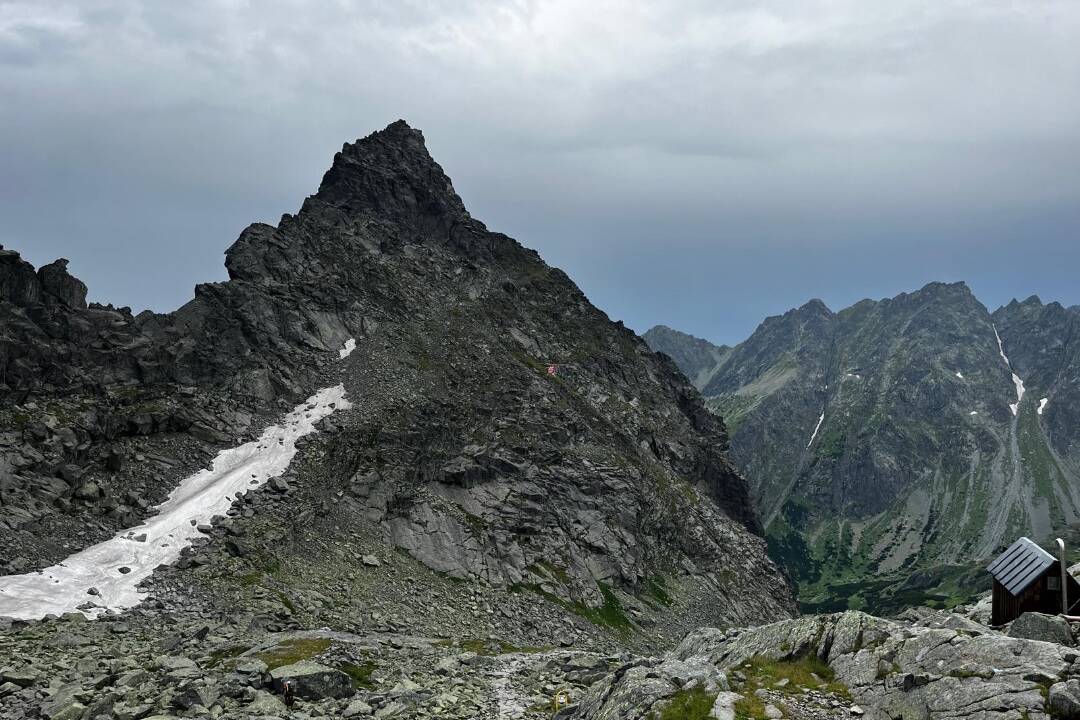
(815, 305)
(944, 288)
(391, 173)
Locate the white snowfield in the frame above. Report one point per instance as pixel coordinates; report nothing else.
(816, 428)
(1015, 378)
(347, 348)
(1042, 405)
(64, 587)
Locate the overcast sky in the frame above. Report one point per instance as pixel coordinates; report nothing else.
(697, 163)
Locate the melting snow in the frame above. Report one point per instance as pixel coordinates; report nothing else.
(1015, 378)
(347, 348)
(816, 428)
(63, 587)
(1042, 404)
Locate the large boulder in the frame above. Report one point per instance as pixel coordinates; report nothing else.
(313, 681)
(1064, 700)
(1037, 626)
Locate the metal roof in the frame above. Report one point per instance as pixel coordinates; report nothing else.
(1020, 565)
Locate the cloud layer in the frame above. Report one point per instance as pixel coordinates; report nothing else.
(697, 163)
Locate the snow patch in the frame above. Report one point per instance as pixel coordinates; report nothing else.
(1015, 378)
(1042, 405)
(973, 412)
(959, 375)
(347, 348)
(63, 587)
(816, 428)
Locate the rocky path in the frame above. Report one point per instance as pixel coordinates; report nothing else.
(510, 702)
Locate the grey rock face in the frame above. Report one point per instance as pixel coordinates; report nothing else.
(1037, 626)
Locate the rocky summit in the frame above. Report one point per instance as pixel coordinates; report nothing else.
(393, 450)
(894, 445)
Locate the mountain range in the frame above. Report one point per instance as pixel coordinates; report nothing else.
(895, 444)
(397, 466)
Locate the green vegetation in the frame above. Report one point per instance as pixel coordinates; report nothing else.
(832, 444)
(655, 586)
(219, 656)
(285, 600)
(250, 578)
(360, 674)
(293, 651)
(609, 615)
(692, 704)
(750, 707)
(805, 672)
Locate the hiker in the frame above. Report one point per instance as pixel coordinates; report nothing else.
(288, 690)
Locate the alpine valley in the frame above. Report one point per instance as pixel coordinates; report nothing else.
(896, 445)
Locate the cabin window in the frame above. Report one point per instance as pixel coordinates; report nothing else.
(1053, 582)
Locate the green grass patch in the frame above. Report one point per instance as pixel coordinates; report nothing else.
(250, 578)
(655, 587)
(750, 707)
(692, 704)
(219, 656)
(285, 601)
(762, 672)
(360, 674)
(293, 651)
(609, 615)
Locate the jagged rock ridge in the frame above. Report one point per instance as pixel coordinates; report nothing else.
(882, 440)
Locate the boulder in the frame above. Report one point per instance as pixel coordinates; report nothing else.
(23, 678)
(313, 681)
(195, 695)
(1037, 626)
(265, 704)
(64, 704)
(1064, 700)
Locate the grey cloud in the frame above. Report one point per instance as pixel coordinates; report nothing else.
(769, 151)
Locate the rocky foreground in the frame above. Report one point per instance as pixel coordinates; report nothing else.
(932, 664)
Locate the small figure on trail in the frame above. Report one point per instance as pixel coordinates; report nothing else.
(288, 690)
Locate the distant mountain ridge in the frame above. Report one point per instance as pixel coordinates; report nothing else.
(899, 435)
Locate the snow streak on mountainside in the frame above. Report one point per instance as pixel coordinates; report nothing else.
(817, 427)
(927, 453)
(106, 576)
(1017, 382)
